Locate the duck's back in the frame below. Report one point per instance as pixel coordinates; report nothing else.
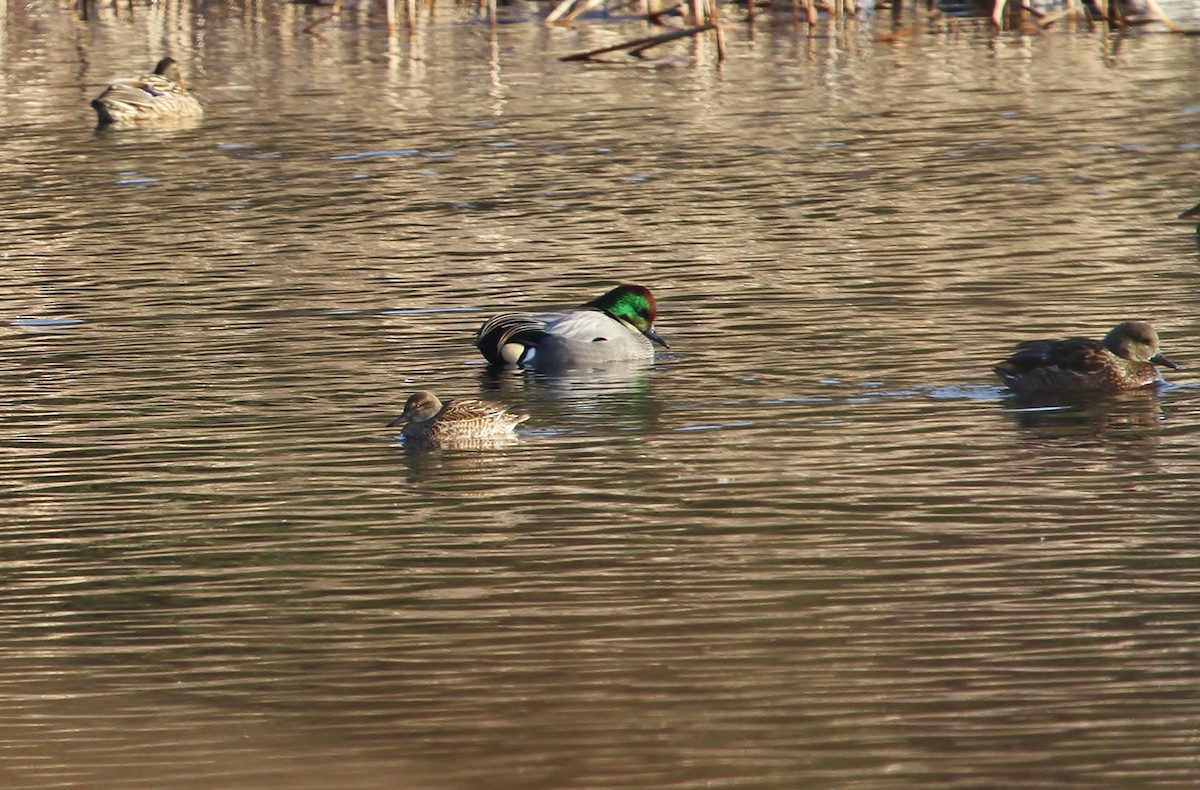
(1079, 354)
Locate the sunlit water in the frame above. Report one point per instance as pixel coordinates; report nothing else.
(812, 546)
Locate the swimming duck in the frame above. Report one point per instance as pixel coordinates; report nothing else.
(616, 326)
(460, 422)
(158, 96)
(1124, 360)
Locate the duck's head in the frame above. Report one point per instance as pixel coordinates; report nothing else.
(1136, 340)
(167, 67)
(633, 304)
(421, 406)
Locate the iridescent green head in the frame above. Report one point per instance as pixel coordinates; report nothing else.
(633, 304)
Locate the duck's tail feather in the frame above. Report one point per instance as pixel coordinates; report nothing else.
(508, 338)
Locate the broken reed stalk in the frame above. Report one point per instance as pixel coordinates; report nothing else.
(558, 11)
(1162, 17)
(636, 46)
(567, 10)
(713, 17)
(998, 13)
(810, 12)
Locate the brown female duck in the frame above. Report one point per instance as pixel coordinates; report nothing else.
(460, 422)
(154, 97)
(1124, 359)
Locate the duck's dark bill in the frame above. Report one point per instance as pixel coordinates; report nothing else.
(1159, 359)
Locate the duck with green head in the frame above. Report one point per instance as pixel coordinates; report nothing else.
(616, 326)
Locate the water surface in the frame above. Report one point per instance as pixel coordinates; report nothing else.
(813, 545)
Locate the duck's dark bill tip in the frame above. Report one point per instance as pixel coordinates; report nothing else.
(1159, 359)
(657, 338)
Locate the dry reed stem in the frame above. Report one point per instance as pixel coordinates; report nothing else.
(1162, 17)
(558, 11)
(998, 13)
(587, 6)
(636, 46)
(714, 18)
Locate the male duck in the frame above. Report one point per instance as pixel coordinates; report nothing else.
(461, 422)
(153, 97)
(616, 326)
(1124, 360)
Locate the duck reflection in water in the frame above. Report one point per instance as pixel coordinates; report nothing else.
(1128, 415)
(614, 395)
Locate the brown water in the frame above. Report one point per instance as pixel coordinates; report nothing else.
(812, 546)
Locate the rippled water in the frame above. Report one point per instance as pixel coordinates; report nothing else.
(812, 546)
